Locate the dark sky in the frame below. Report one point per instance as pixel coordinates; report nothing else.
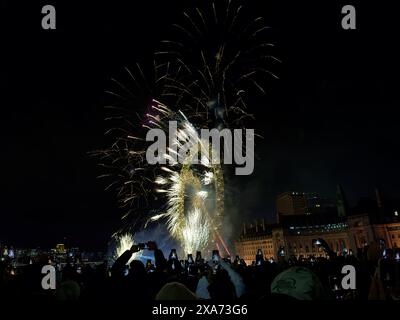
(331, 118)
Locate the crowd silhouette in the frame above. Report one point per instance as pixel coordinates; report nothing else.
(219, 279)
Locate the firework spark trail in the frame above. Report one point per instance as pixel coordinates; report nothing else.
(196, 231)
(192, 224)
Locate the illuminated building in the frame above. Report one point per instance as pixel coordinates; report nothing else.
(295, 232)
(350, 234)
(253, 237)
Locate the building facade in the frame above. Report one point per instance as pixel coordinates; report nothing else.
(294, 236)
(253, 237)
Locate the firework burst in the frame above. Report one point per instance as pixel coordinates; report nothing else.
(194, 189)
(221, 56)
(125, 242)
(201, 78)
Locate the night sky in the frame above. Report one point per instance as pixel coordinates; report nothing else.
(330, 119)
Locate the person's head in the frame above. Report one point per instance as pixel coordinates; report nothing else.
(221, 287)
(175, 291)
(69, 273)
(68, 291)
(137, 268)
(299, 283)
(41, 259)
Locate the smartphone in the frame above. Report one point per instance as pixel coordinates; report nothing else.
(215, 256)
(198, 256)
(173, 254)
(215, 260)
(316, 242)
(334, 283)
(259, 257)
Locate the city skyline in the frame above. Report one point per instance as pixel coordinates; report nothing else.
(313, 204)
(330, 119)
